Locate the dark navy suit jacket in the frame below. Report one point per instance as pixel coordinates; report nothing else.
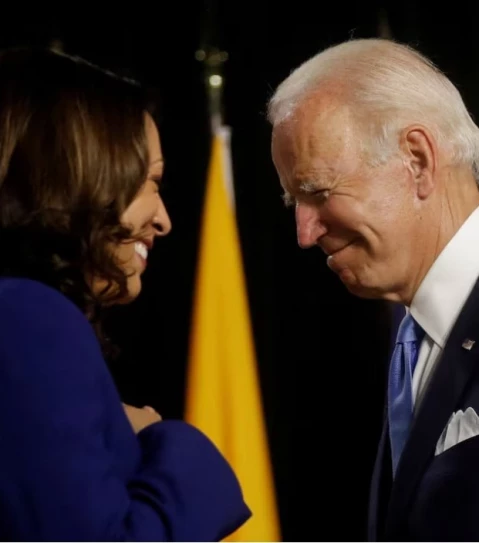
(71, 467)
(434, 498)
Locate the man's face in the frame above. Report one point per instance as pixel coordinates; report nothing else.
(363, 218)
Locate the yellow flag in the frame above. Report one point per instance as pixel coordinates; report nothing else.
(223, 394)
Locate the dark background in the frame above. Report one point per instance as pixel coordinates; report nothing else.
(322, 353)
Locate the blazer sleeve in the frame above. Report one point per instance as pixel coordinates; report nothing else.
(58, 481)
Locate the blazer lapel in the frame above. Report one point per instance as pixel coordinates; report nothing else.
(378, 495)
(451, 375)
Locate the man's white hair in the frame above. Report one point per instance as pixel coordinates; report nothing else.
(387, 86)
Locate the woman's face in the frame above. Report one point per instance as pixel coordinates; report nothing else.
(146, 216)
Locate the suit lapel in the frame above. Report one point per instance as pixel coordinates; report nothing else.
(378, 496)
(442, 398)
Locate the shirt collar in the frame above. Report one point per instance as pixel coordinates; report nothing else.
(443, 292)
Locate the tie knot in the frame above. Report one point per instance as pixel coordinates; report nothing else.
(409, 330)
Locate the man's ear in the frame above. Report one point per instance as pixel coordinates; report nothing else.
(420, 157)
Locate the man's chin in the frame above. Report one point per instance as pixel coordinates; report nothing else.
(361, 290)
(354, 285)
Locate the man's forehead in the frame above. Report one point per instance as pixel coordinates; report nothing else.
(312, 132)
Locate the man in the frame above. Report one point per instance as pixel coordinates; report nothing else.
(377, 153)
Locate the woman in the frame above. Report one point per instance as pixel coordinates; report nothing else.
(80, 165)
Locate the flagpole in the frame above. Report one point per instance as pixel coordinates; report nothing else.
(213, 60)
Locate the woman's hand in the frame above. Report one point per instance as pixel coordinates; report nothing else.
(141, 417)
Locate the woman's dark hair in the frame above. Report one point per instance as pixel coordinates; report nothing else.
(73, 155)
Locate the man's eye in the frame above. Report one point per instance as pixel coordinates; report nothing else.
(322, 194)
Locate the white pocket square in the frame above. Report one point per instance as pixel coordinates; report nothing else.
(461, 426)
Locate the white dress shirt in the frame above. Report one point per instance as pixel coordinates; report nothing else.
(441, 296)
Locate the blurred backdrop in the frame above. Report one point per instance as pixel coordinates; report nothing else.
(321, 353)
